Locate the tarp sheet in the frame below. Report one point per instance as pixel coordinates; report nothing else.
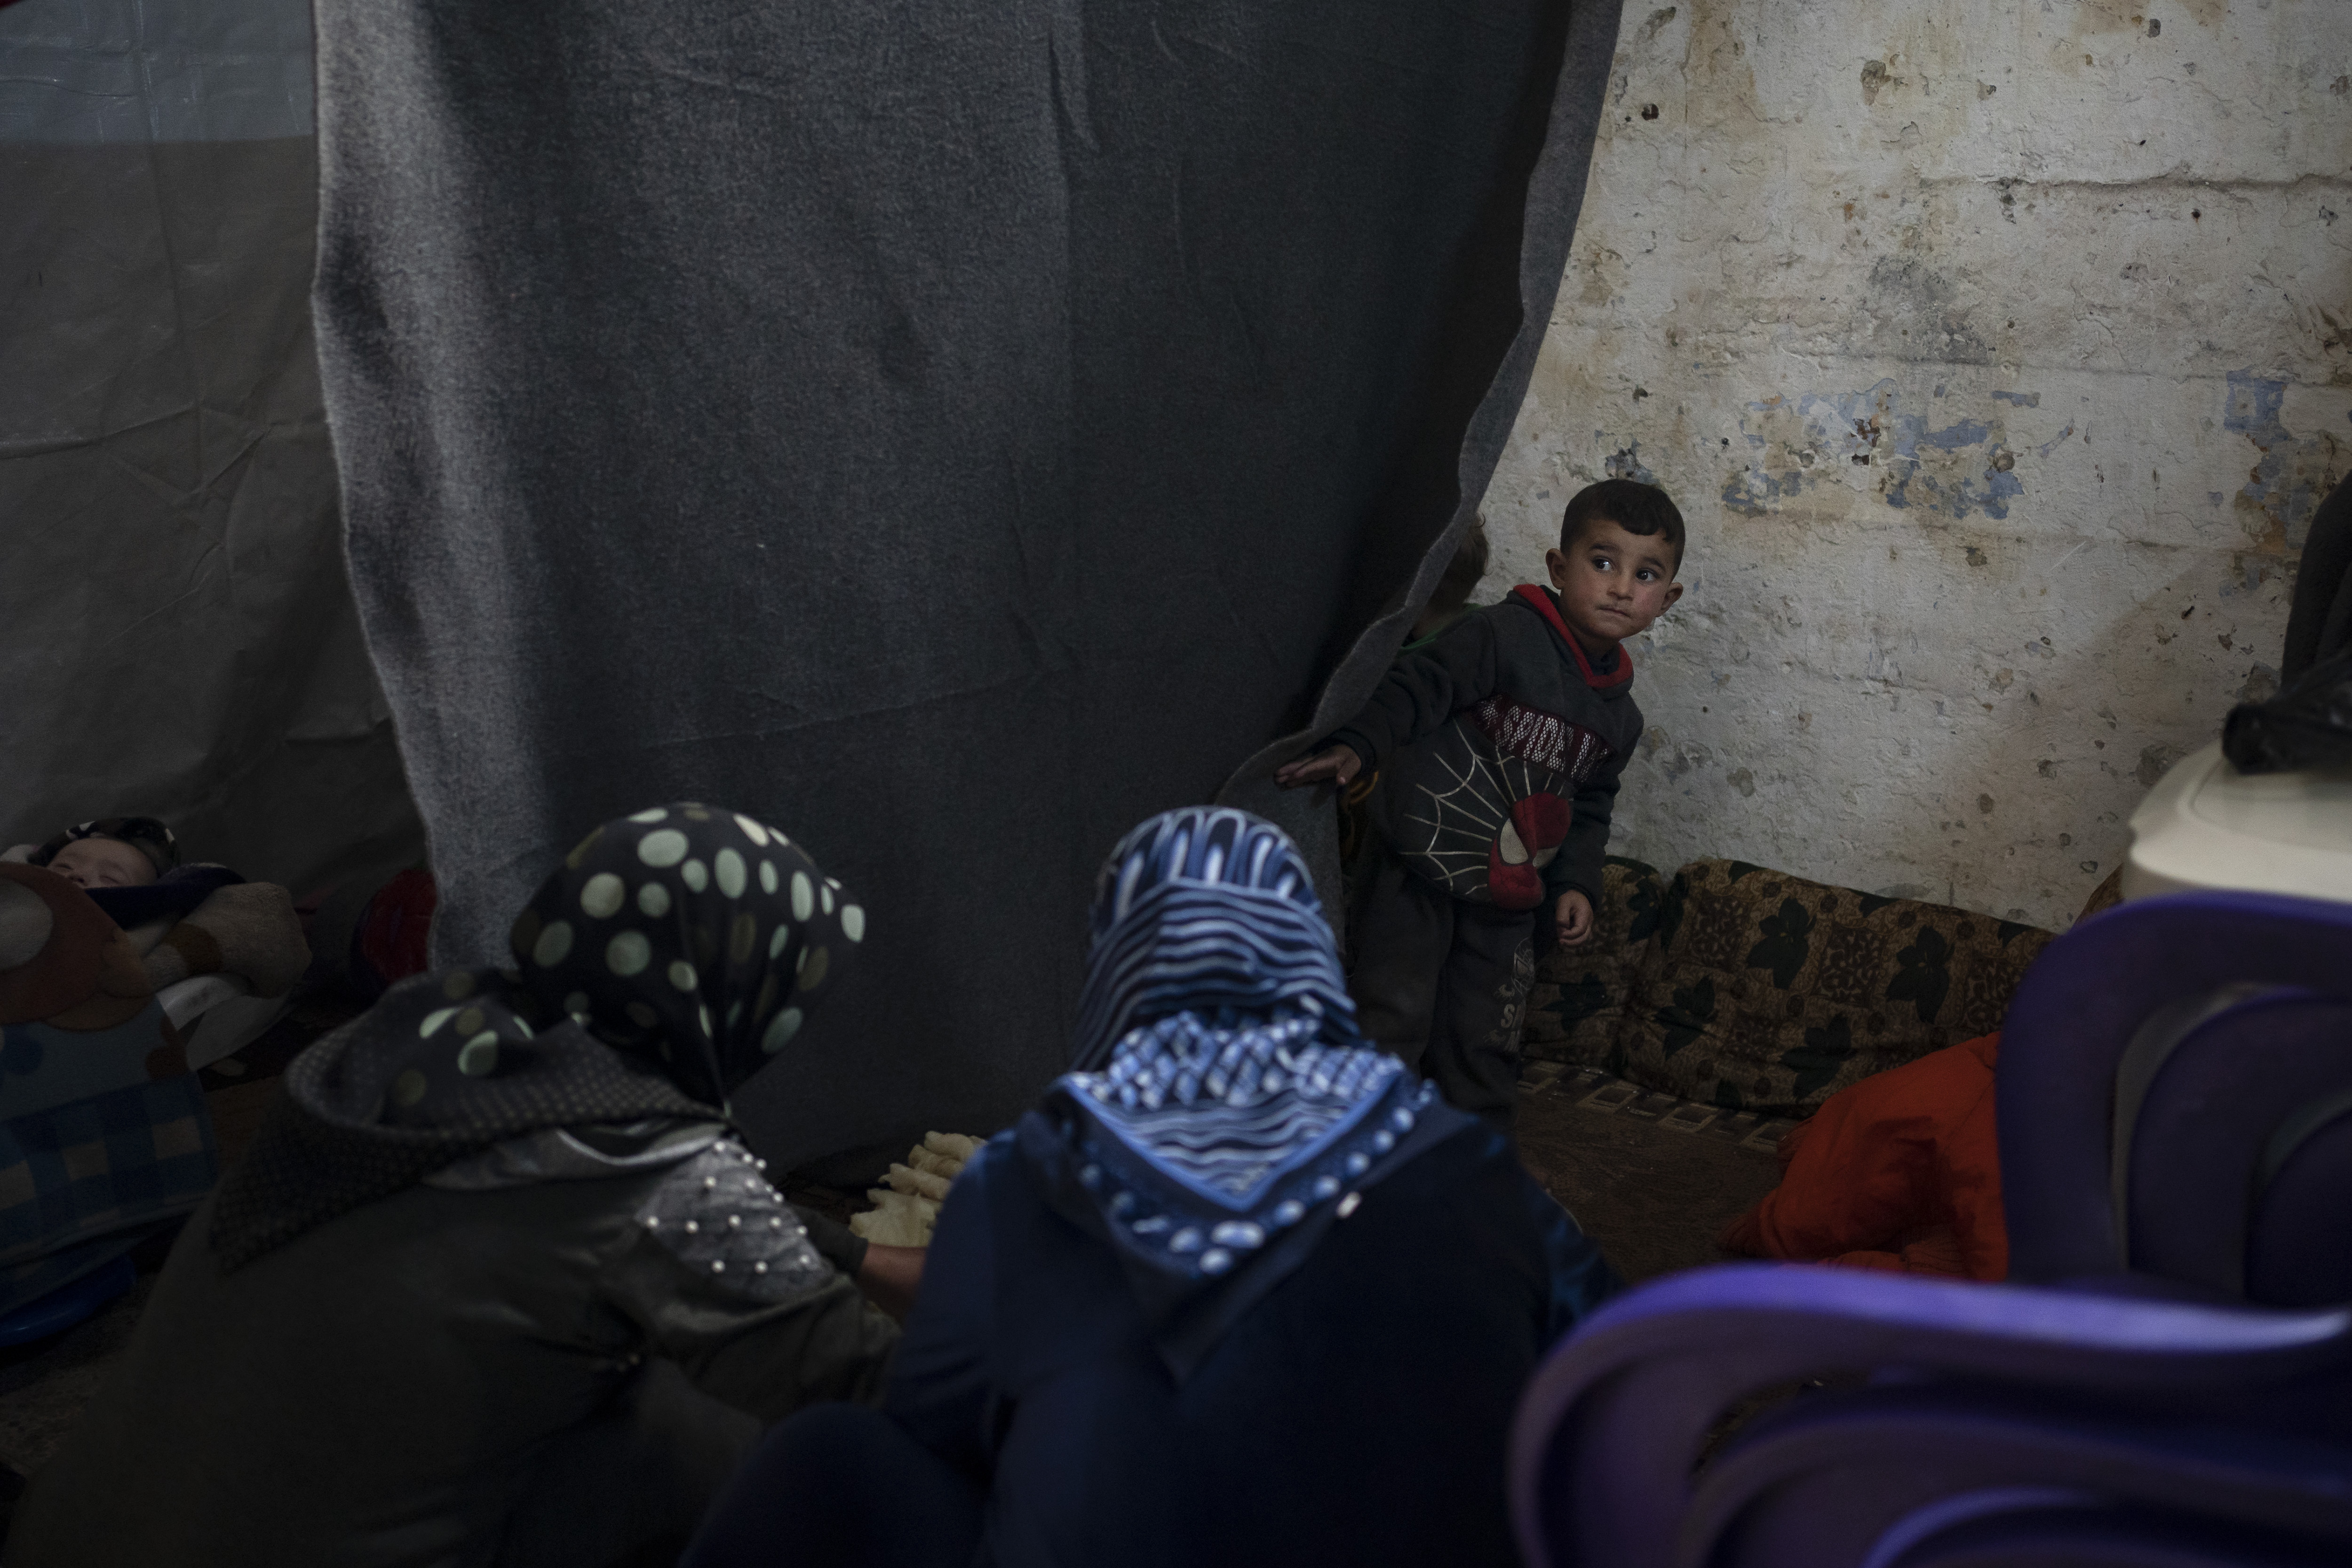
(180, 638)
(949, 430)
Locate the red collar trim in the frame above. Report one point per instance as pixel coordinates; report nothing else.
(1540, 602)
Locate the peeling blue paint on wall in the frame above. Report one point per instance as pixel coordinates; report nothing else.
(1752, 491)
(1625, 463)
(1967, 433)
(1961, 498)
(2253, 407)
(2293, 476)
(1843, 430)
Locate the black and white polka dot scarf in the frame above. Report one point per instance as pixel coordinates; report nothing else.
(690, 937)
(672, 955)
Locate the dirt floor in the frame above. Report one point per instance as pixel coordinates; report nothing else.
(1651, 1178)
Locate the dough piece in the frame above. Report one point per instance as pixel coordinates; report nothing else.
(907, 1206)
(895, 1219)
(917, 1184)
(956, 1146)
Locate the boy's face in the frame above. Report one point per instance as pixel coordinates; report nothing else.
(1612, 583)
(92, 863)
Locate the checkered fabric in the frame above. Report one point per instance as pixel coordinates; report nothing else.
(102, 1166)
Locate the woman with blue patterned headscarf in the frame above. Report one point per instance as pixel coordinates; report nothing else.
(1240, 1291)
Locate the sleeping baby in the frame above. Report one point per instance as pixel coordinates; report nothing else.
(183, 920)
(110, 852)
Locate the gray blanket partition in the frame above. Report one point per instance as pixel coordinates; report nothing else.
(950, 431)
(179, 637)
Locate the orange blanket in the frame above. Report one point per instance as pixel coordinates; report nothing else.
(1899, 1172)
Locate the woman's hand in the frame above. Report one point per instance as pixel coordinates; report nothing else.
(1337, 764)
(891, 1276)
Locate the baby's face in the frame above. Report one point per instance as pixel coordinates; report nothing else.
(92, 863)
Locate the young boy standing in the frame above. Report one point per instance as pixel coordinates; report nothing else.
(1500, 744)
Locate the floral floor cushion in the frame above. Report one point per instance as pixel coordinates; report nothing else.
(1752, 990)
(1577, 1007)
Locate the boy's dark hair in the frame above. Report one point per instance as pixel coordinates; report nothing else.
(1632, 506)
(1462, 573)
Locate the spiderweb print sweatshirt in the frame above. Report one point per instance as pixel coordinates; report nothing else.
(1500, 745)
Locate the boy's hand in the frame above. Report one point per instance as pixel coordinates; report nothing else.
(1337, 764)
(1575, 917)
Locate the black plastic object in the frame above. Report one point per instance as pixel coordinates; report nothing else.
(2308, 725)
(2319, 624)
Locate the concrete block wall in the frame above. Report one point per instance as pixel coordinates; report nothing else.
(1997, 353)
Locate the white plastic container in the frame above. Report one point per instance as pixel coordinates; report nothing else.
(2207, 825)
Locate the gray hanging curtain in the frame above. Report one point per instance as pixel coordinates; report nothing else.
(179, 641)
(950, 431)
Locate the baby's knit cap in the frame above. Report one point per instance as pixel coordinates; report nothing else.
(145, 834)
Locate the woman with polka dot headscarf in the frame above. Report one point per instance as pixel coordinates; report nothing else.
(439, 1312)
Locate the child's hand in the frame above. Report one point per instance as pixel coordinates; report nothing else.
(1575, 917)
(1337, 764)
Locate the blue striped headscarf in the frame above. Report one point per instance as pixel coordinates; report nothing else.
(1209, 911)
(1223, 1105)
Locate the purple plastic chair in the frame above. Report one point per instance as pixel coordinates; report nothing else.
(2166, 1071)
(1901, 1477)
(2228, 1140)
(2300, 1251)
(1993, 1423)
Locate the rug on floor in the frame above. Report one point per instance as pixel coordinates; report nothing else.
(1650, 1177)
